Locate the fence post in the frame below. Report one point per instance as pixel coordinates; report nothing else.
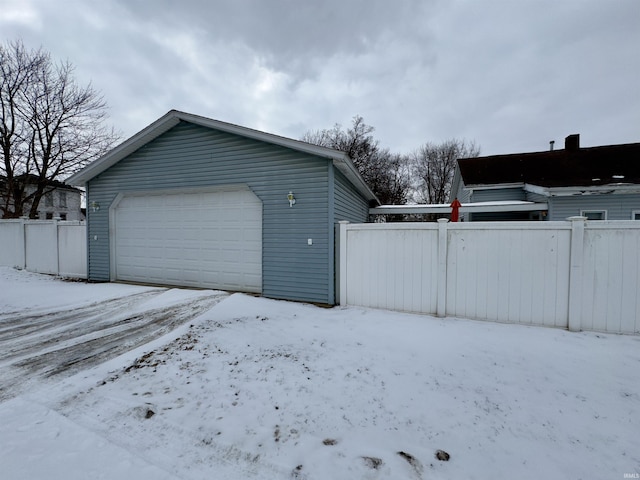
(22, 246)
(441, 305)
(57, 229)
(575, 273)
(342, 254)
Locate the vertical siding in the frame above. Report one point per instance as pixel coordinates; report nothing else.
(192, 156)
(618, 207)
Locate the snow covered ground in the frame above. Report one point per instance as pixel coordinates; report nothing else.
(262, 389)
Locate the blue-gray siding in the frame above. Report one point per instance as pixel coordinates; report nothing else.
(498, 195)
(618, 207)
(535, 197)
(193, 156)
(349, 204)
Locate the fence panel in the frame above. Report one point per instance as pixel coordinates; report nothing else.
(509, 272)
(12, 243)
(52, 247)
(41, 246)
(393, 269)
(575, 274)
(72, 249)
(611, 279)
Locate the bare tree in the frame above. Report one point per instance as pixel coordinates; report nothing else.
(17, 68)
(434, 166)
(385, 173)
(50, 126)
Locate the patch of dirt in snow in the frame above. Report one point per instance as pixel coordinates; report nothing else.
(285, 397)
(226, 397)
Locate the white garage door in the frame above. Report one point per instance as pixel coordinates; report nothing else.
(204, 239)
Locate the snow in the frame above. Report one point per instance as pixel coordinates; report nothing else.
(264, 389)
(22, 290)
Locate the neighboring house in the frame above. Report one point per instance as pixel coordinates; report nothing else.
(60, 201)
(191, 201)
(600, 183)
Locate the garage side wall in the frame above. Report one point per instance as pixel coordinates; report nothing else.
(190, 156)
(349, 204)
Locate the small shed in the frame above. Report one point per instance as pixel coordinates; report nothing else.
(191, 201)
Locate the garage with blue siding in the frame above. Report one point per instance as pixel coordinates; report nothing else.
(191, 201)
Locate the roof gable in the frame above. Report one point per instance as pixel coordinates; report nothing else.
(604, 165)
(340, 159)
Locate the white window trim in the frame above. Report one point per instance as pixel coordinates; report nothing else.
(634, 213)
(583, 212)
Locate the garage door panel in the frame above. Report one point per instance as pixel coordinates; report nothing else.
(210, 239)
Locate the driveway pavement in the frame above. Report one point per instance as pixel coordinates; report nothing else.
(37, 347)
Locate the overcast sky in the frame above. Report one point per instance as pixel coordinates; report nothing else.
(510, 75)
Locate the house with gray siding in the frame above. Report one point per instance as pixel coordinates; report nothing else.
(600, 183)
(60, 201)
(192, 201)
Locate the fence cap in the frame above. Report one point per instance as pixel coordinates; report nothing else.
(577, 219)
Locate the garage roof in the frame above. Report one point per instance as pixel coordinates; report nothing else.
(340, 159)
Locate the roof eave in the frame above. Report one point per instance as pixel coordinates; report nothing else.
(477, 207)
(611, 189)
(173, 117)
(157, 128)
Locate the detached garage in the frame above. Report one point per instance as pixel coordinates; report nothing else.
(191, 201)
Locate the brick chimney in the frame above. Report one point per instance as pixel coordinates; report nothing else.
(572, 142)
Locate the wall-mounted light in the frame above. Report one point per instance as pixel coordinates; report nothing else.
(292, 199)
(95, 206)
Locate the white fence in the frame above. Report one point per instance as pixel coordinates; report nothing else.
(44, 246)
(575, 274)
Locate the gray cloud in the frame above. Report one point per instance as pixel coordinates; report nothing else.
(509, 75)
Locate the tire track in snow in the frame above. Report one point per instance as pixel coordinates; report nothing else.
(91, 346)
(29, 332)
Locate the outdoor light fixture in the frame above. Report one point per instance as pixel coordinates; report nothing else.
(292, 199)
(95, 206)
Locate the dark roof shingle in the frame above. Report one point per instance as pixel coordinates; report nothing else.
(605, 165)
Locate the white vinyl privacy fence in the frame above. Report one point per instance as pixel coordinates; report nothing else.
(44, 246)
(574, 274)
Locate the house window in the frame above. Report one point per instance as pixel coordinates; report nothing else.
(635, 215)
(63, 216)
(49, 216)
(48, 199)
(594, 214)
(63, 199)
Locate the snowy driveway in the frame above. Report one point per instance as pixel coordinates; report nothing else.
(41, 344)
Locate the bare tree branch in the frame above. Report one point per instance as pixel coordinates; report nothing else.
(386, 174)
(50, 126)
(434, 166)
